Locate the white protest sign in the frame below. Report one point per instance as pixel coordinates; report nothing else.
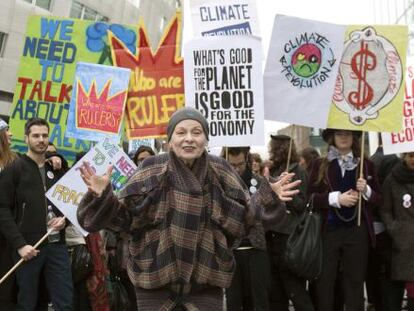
(403, 141)
(67, 193)
(134, 144)
(301, 69)
(223, 80)
(224, 18)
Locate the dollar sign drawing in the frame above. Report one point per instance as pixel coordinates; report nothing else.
(361, 62)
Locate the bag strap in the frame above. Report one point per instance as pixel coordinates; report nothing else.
(309, 205)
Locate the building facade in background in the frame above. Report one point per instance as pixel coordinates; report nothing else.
(399, 12)
(305, 137)
(14, 15)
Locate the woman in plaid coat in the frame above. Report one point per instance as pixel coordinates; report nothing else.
(183, 210)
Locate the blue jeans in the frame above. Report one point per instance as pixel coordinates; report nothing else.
(53, 262)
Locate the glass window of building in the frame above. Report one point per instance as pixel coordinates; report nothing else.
(78, 10)
(44, 4)
(3, 39)
(89, 14)
(101, 18)
(135, 2)
(315, 131)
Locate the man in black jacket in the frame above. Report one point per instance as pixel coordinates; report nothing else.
(250, 286)
(23, 211)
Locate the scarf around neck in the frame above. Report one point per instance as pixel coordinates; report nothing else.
(347, 162)
(403, 174)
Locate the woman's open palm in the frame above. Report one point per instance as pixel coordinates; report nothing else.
(96, 184)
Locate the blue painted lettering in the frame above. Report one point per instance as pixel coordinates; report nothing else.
(50, 27)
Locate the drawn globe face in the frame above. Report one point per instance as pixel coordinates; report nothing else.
(306, 60)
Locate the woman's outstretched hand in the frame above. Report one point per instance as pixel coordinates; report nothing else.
(285, 188)
(96, 184)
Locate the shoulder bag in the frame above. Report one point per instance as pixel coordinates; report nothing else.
(303, 254)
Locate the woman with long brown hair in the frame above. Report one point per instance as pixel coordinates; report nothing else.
(7, 289)
(6, 155)
(285, 284)
(307, 156)
(334, 183)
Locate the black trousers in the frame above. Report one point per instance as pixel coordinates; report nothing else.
(250, 285)
(8, 289)
(285, 285)
(384, 293)
(349, 245)
(410, 306)
(81, 300)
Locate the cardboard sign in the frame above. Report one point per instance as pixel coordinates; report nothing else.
(224, 18)
(369, 89)
(98, 102)
(156, 88)
(52, 47)
(403, 141)
(223, 80)
(67, 193)
(134, 144)
(301, 70)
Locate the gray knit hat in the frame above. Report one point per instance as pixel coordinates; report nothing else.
(3, 124)
(186, 113)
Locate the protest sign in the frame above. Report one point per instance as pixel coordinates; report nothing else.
(301, 69)
(218, 18)
(97, 102)
(156, 87)
(67, 193)
(52, 47)
(134, 144)
(403, 141)
(369, 89)
(223, 80)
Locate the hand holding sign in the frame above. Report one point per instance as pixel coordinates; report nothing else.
(361, 185)
(96, 184)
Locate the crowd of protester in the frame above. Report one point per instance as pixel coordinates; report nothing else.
(189, 224)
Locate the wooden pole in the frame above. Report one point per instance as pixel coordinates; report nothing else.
(290, 147)
(22, 260)
(361, 175)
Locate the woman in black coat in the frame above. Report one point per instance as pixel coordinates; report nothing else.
(397, 213)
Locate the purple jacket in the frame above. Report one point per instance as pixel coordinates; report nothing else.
(321, 191)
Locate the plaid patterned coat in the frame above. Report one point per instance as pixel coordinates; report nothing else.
(182, 222)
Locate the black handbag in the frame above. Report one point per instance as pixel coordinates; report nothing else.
(303, 254)
(81, 262)
(119, 299)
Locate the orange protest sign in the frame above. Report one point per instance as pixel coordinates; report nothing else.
(156, 88)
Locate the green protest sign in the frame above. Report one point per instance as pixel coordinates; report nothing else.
(52, 47)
